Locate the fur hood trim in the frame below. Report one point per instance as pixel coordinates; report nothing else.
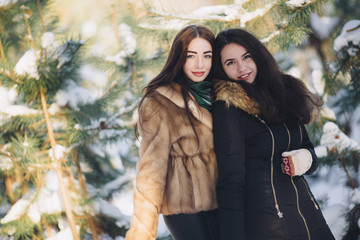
(174, 94)
(233, 94)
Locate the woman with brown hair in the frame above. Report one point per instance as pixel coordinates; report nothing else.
(262, 146)
(177, 170)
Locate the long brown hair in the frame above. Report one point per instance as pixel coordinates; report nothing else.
(281, 97)
(172, 71)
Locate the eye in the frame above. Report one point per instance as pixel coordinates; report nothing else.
(190, 56)
(208, 56)
(229, 63)
(247, 56)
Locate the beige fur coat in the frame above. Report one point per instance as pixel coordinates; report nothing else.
(175, 175)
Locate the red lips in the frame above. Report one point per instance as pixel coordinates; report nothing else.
(245, 76)
(198, 74)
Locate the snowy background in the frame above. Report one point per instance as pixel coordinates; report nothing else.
(329, 184)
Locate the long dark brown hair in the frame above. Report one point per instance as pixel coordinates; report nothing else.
(172, 71)
(281, 97)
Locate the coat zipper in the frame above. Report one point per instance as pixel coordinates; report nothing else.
(311, 197)
(305, 183)
(292, 181)
(279, 213)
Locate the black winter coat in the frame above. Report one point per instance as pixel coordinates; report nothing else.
(256, 200)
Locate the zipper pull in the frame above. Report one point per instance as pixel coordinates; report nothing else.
(280, 214)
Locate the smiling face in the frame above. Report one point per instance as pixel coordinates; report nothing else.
(198, 60)
(238, 64)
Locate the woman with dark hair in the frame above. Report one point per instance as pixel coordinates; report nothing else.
(262, 147)
(177, 170)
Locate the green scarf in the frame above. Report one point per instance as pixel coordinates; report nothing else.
(201, 92)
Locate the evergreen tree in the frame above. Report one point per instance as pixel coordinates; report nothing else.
(60, 162)
(343, 82)
(339, 144)
(67, 145)
(279, 24)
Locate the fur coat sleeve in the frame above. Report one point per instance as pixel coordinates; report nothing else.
(152, 171)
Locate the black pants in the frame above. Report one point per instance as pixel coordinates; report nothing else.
(199, 226)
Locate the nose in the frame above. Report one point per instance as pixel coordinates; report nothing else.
(240, 67)
(199, 63)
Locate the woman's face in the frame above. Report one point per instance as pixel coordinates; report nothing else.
(238, 64)
(198, 60)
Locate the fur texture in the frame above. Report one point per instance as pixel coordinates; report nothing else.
(175, 174)
(233, 94)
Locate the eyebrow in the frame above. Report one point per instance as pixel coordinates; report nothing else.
(246, 53)
(232, 59)
(203, 52)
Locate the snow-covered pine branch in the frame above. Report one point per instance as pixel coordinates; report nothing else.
(227, 13)
(349, 34)
(128, 41)
(333, 139)
(116, 184)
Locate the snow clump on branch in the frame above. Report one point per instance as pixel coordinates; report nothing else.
(27, 65)
(349, 34)
(128, 41)
(74, 95)
(48, 41)
(335, 140)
